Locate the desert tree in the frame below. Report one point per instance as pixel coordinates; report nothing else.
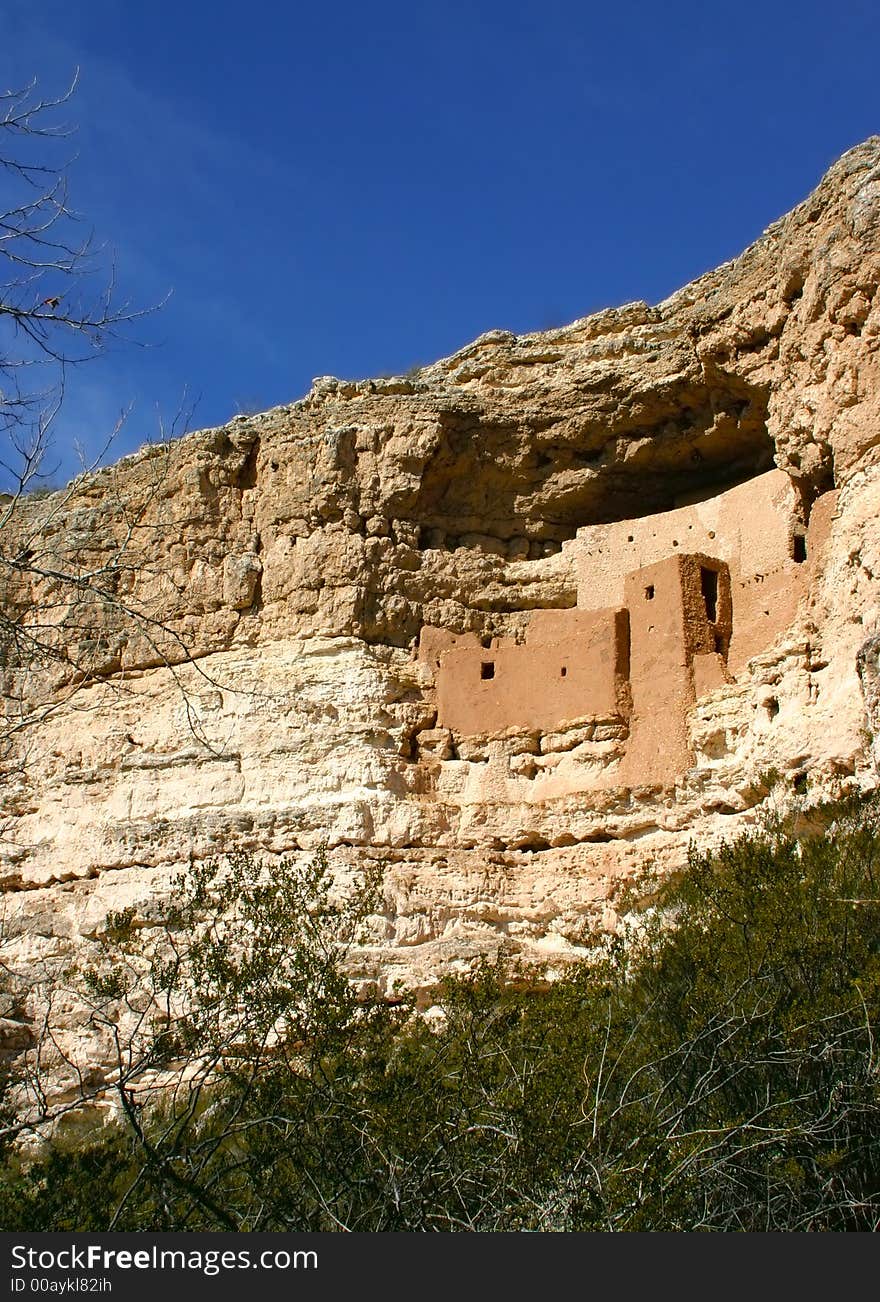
(74, 561)
(59, 305)
(717, 1071)
(226, 1008)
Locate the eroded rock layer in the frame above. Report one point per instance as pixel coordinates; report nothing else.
(278, 692)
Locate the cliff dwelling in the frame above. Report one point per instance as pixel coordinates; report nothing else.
(670, 606)
(504, 632)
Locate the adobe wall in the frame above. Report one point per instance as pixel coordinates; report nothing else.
(677, 620)
(750, 527)
(766, 595)
(682, 625)
(573, 664)
(753, 527)
(650, 659)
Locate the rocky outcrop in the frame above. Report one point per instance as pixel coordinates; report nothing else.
(868, 665)
(269, 696)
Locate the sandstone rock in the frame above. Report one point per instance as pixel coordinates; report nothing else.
(868, 666)
(241, 580)
(285, 697)
(435, 742)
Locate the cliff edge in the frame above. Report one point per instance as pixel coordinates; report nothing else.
(512, 626)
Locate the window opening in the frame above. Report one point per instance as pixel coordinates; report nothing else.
(799, 549)
(487, 669)
(709, 586)
(563, 671)
(649, 592)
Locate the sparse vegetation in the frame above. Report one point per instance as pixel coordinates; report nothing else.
(71, 601)
(718, 1072)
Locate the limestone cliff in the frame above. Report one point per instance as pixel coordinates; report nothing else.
(277, 690)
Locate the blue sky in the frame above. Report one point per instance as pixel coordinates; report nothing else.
(354, 189)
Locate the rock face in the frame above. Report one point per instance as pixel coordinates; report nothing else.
(513, 626)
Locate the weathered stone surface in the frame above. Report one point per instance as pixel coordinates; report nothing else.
(298, 555)
(868, 665)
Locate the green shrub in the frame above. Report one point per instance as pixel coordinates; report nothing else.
(719, 1072)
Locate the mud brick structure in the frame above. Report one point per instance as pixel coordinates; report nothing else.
(572, 663)
(687, 619)
(507, 629)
